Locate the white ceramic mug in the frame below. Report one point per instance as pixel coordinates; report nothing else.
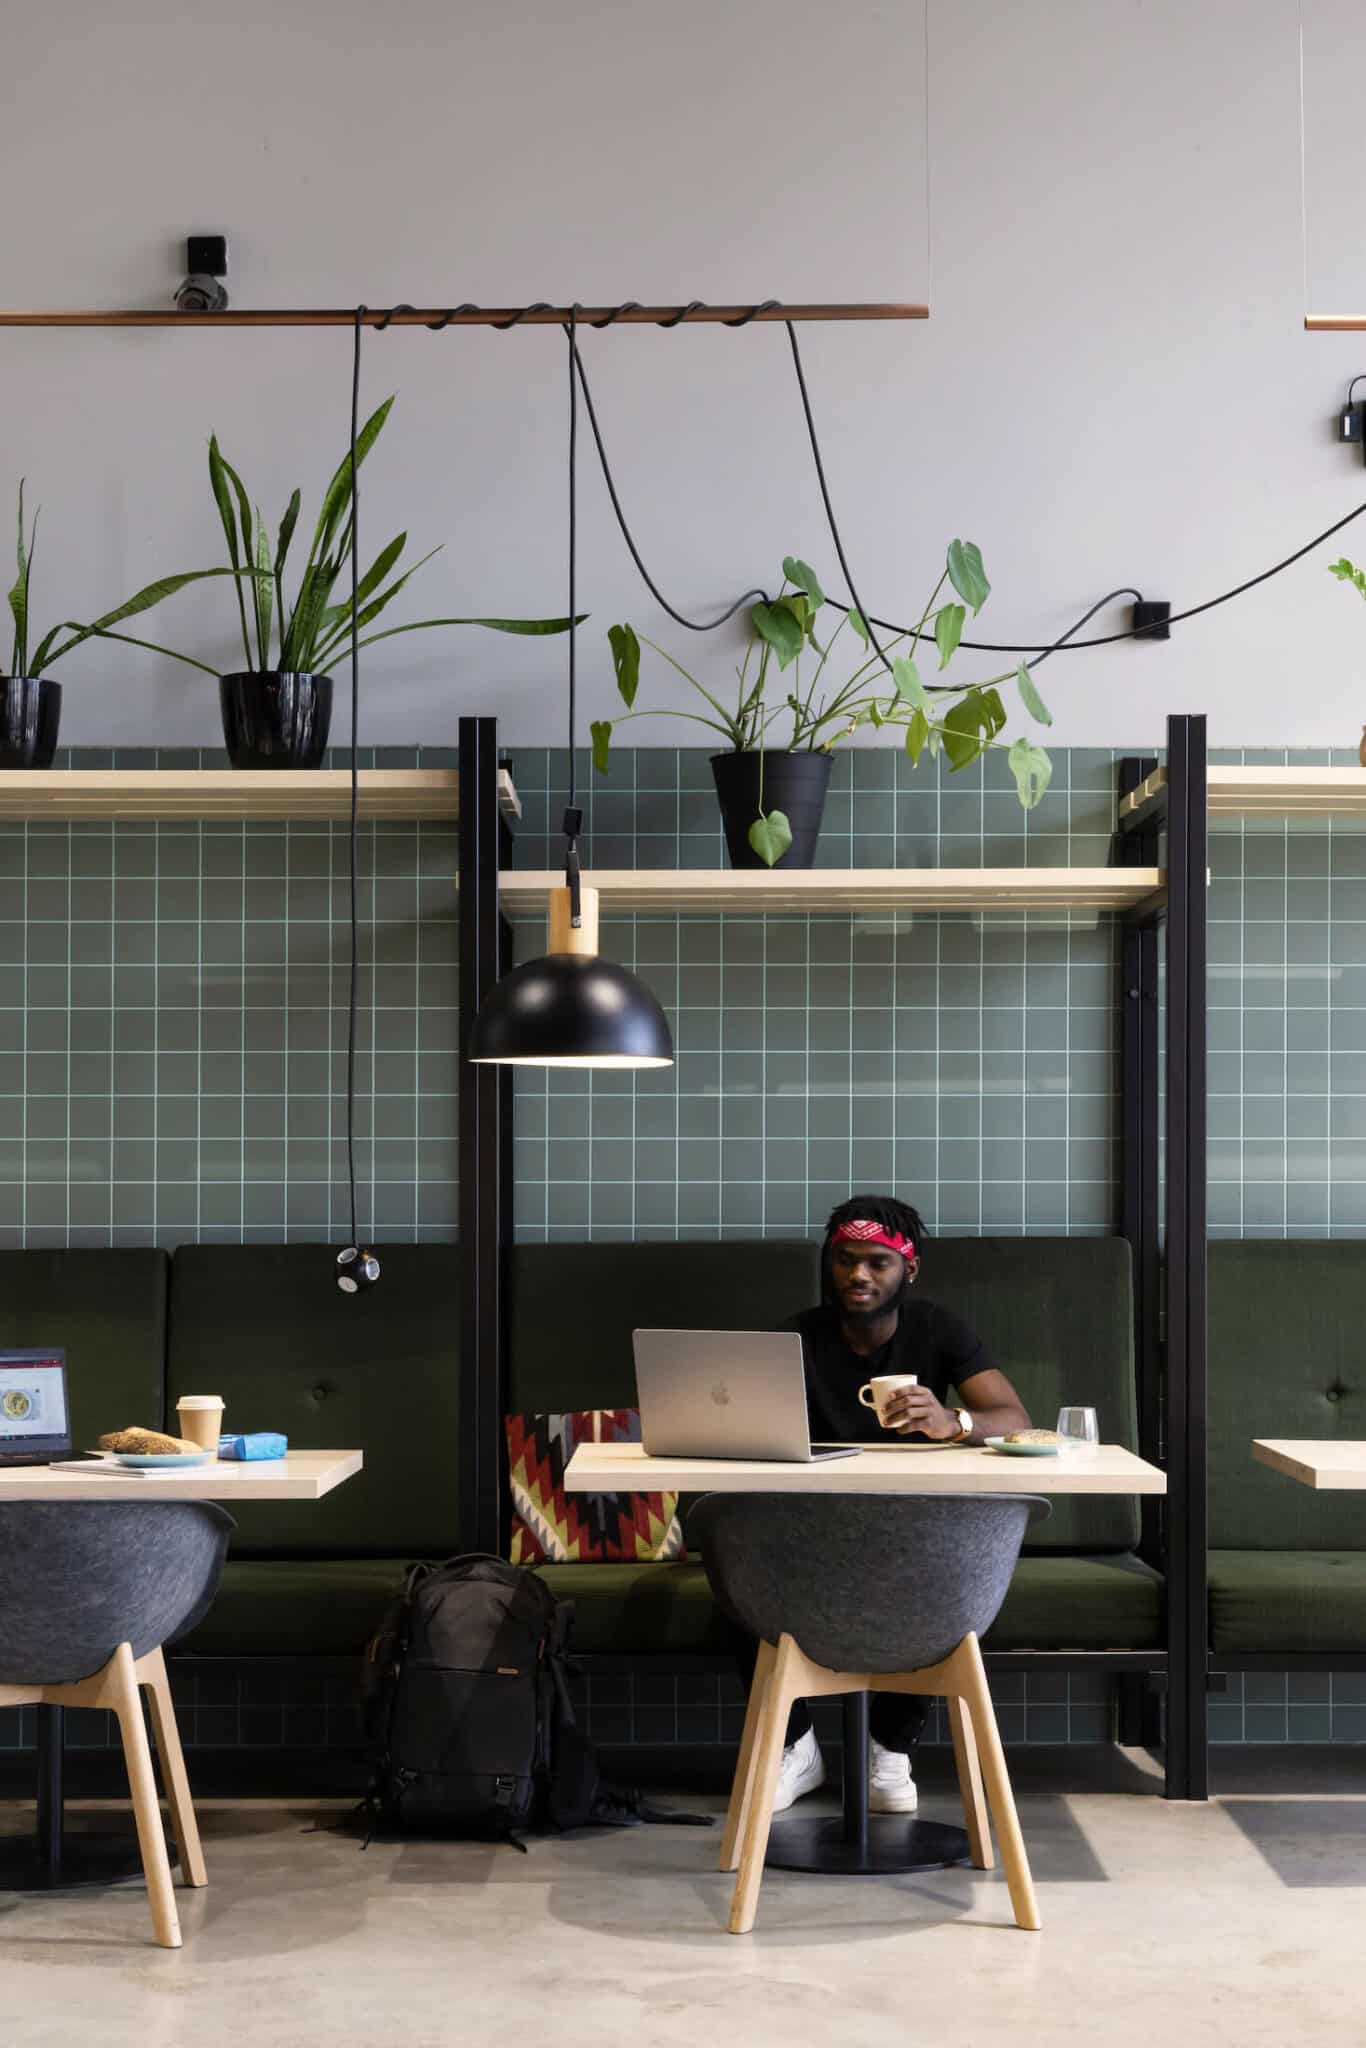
(201, 1419)
(877, 1393)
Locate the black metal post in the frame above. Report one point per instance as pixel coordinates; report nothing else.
(1186, 1038)
(51, 1736)
(484, 1138)
(856, 1771)
(1139, 1707)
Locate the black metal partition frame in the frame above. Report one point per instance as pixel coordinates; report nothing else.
(484, 1108)
(1164, 1215)
(1170, 1344)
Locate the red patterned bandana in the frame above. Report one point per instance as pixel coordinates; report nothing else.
(864, 1232)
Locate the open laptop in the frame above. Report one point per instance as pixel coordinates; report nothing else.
(35, 1421)
(725, 1394)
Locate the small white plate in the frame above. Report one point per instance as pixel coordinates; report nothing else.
(160, 1461)
(998, 1443)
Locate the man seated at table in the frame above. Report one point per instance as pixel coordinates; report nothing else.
(871, 1324)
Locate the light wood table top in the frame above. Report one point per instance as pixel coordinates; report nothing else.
(971, 1468)
(299, 1475)
(1331, 1467)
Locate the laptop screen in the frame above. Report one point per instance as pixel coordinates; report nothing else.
(33, 1411)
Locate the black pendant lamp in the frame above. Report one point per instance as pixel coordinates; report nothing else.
(571, 1008)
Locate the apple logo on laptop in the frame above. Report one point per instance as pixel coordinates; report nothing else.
(720, 1395)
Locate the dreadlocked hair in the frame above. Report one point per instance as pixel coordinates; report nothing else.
(895, 1216)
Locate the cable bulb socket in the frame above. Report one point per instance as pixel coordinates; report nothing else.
(357, 1269)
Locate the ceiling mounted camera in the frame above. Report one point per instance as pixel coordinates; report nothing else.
(206, 260)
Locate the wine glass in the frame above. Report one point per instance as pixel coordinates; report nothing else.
(1078, 1429)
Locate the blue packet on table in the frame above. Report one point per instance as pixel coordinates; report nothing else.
(264, 1443)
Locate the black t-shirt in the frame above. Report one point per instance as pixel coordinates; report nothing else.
(930, 1341)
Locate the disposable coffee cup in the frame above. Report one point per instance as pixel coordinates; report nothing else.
(201, 1419)
(877, 1393)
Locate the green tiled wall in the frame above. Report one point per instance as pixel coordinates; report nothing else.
(172, 1025)
(173, 1029)
(969, 1061)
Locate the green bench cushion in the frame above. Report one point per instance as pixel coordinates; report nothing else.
(1287, 1601)
(1054, 1603)
(296, 1607)
(1286, 1318)
(107, 1311)
(1111, 1602)
(1057, 1315)
(641, 1609)
(266, 1327)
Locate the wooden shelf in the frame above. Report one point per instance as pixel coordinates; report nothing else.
(1269, 793)
(840, 890)
(63, 796)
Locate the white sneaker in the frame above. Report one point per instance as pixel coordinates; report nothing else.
(891, 1788)
(802, 1771)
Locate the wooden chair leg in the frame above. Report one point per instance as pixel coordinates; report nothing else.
(771, 1730)
(124, 1698)
(741, 1791)
(977, 1696)
(152, 1675)
(969, 1768)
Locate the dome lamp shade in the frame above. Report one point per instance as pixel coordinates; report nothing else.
(570, 1007)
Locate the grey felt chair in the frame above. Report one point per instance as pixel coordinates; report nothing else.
(89, 1592)
(866, 1593)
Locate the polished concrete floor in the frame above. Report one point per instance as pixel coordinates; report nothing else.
(1236, 1921)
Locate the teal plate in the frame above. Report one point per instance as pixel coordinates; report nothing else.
(156, 1461)
(998, 1443)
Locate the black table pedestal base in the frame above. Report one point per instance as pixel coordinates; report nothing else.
(893, 1844)
(84, 1860)
(853, 1844)
(50, 1859)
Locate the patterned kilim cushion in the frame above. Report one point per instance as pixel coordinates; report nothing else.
(555, 1527)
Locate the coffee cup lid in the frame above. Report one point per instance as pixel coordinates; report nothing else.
(193, 1401)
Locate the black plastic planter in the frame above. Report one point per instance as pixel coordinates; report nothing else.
(794, 784)
(273, 719)
(30, 713)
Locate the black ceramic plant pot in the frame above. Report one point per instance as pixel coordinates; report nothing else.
(794, 784)
(30, 713)
(272, 719)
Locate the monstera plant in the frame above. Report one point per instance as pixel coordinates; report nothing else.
(802, 690)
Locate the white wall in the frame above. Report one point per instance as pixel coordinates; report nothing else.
(1114, 386)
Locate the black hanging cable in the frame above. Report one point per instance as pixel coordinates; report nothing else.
(1085, 620)
(1066, 642)
(1069, 646)
(357, 1267)
(573, 817)
(355, 775)
(693, 625)
(829, 508)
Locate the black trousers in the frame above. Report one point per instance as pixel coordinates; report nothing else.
(895, 1719)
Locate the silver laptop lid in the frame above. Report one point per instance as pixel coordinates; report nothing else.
(722, 1394)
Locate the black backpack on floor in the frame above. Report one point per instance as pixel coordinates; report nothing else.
(468, 1715)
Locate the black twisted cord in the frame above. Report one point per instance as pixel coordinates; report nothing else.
(504, 326)
(437, 326)
(743, 319)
